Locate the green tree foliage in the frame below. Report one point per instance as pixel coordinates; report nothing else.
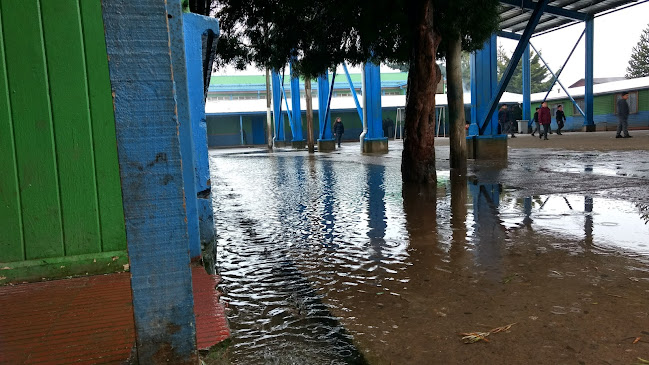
(323, 33)
(639, 62)
(320, 34)
(540, 76)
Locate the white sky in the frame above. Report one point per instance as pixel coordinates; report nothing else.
(615, 36)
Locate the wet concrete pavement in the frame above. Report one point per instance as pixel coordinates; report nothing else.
(329, 259)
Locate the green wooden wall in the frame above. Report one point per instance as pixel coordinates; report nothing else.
(60, 193)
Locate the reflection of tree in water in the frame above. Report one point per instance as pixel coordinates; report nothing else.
(644, 211)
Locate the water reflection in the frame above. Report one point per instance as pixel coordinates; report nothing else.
(489, 233)
(377, 220)
(318, 256)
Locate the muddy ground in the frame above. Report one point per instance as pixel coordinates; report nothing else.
(440, 262)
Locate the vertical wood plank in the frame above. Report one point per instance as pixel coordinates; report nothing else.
(71, 119)
(11, 238)
(111, 211)
(33, 131)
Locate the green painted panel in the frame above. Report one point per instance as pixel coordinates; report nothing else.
(11, 239)
(643, 100)
(33, 130)
(111, 210)
(222, 124)
(72, 133)
(604, 104)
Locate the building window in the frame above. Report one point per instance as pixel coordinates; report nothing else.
(632, 100)
(582, 105)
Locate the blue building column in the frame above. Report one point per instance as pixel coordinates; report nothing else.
(296, 122)
(277, 107)
(373, 141)
(484, 83)
(325, 138)
(194, 27)
(589, 121)
(145, 49)
(527, 87)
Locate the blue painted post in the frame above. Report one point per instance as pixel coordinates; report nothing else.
(186, 134)
(277, 106)
(484, 81)
(194, 26)
(527, 87)
(241, 129)
(141, 43)
(323, 98)
(374, 136)
(589, 122)
(296, 110)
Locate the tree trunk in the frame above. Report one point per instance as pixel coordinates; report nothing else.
(309, 114)
(457, 119)
(418, 158)
(269, 125)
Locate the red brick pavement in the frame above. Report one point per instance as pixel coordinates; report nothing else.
(89, 320)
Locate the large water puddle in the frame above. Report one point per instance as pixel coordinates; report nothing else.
(336, 262)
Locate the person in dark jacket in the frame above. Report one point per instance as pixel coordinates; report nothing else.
(545, 118)
(537, 125)
(503, 120)
(623, 116)
(561, 119)
(339, 129)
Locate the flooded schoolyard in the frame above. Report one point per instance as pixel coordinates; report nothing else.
(330, 259)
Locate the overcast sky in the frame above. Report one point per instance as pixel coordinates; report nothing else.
(615, 36)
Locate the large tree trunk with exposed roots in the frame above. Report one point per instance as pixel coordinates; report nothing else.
(418, 158)
(457, 119)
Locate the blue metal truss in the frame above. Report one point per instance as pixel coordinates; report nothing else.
(565, 13)
(351, 87)
(511, 67)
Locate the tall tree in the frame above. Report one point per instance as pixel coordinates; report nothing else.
(639, 62)
(540, 76)
(464, 25)
(323, 33)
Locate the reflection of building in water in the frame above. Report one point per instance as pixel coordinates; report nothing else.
(588, 221)
(328, 216)
(377, 220)
(488, 230)
(458, 217)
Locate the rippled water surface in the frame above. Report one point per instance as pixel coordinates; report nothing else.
(333, 261)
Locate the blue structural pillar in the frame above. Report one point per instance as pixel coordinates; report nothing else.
(194, 27)
(325, 140)
(527, 87)
(589, 122)
(277, 107)
(296, 110)
(145, 49)
(487, 144)
(373, 141)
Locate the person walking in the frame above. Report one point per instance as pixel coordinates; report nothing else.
(537, 125)
(545, 118)
(623, 116)
(561, 119)
(339, 129)
(503, 120)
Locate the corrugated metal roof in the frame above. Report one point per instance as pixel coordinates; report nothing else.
(514, 18)
(236, 107)
(640, 83)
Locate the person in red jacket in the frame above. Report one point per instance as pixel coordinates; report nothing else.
(545, 118)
